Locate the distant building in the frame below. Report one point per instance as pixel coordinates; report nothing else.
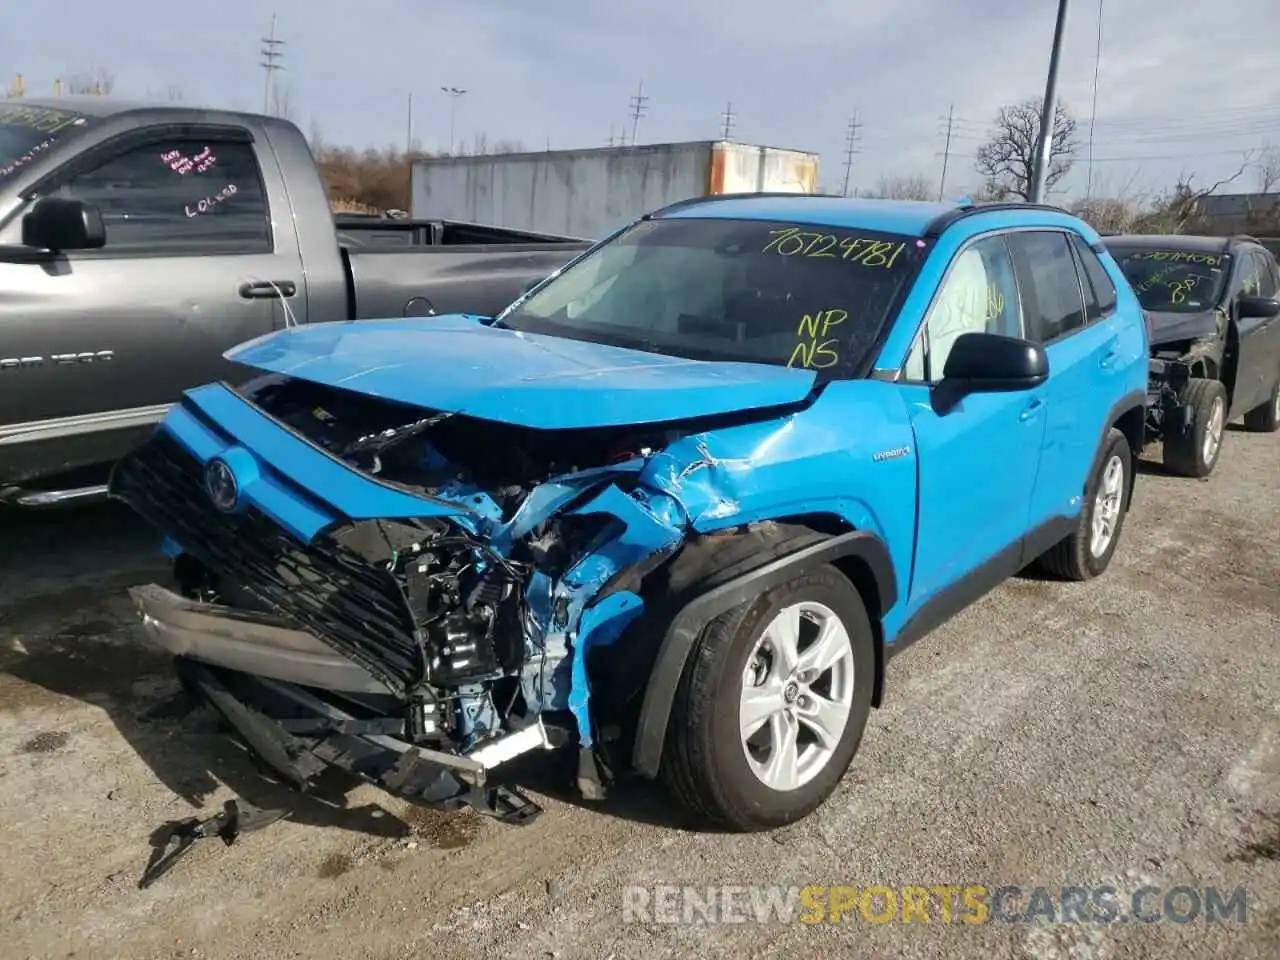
(1228, 214)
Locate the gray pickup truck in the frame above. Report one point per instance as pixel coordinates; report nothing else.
(138, 243)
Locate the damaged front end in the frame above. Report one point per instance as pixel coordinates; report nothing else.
(408, 595)
(1183, 347)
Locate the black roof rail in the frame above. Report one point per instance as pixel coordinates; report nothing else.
(941, 222)
(715, 197)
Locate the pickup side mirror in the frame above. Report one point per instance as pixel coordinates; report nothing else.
(1257, 308)
(989, 363)
(56, 224)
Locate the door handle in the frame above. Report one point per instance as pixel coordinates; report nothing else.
(267, 289)
(1111, 356)
(1030, 410)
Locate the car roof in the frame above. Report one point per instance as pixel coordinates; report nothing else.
(917, 218)
(1190, 243)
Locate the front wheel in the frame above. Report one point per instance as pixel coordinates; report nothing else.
(772, 704)
(1195, 451)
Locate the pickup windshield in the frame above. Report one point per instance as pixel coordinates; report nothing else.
(758, 291)
(27, 132)
(1174, 281)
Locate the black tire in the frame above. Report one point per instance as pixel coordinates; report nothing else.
(704, 761)
(1265, 418)
(1073, 558)
(1184, 453)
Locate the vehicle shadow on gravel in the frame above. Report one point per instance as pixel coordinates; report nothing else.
(69, 629)
(630, 797)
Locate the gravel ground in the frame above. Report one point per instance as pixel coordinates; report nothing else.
(1123, 732)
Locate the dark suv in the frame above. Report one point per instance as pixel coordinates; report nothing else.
(1212, 307)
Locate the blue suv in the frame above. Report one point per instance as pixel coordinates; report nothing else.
(675, 508)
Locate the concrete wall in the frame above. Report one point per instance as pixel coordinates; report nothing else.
(590, 193)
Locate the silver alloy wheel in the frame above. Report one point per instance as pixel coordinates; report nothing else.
(1277, 404)
(797, 692)
(1213, 430)
(1106, 506)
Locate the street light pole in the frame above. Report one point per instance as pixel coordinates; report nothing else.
(454, 93)
(1049, 112)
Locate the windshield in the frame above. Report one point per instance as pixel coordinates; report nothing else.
(27, 132)
(1174, 281)
(748, 290)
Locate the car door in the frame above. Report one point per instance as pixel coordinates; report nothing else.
(1259, 337)
(187, 271)
(977, 462)
(1080, 331)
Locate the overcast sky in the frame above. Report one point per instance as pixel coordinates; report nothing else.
(1182, 87)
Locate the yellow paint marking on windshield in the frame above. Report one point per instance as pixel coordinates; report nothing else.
(794, 242)
(814, 351)
(1178, 256)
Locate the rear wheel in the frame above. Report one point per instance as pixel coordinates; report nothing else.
(1087, 552)
(772, 704)
(1195, 451)
(1265, 418)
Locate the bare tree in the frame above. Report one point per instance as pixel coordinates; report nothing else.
(95, 81)
(1176, 209)
(902, 188)
(1008, 157)
(1268, 169)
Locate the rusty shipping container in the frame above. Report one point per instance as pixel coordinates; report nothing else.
(590, 193)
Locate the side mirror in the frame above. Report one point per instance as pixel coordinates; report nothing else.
(1258, 308)
(989, 363)
(56, 224)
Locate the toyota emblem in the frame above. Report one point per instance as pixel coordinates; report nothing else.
(220, 484)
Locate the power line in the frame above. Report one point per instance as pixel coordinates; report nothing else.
(727, 118)
(271, 57)
(638, 107)
(946, 152)
(850, 148)
(1093, 110)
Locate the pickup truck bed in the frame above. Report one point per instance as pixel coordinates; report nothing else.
(218, 230)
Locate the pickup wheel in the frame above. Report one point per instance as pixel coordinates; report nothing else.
(772, 704)
(1087, 552)
(1266, 418)
(1195, 452)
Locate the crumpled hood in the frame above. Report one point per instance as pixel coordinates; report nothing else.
(458, 364)
(1173, 327)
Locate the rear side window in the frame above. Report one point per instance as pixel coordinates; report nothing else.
(1052, 301)
(178, 197)
(1100, 292)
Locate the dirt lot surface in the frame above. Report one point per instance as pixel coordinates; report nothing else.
(1124, 732)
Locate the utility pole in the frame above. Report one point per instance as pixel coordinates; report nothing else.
(946, 151)
(850, 148)
(611, 137)
(408, 136)
(271, 57)
(638, 108)
(455, 93)
(1050, 111)
(727, 119)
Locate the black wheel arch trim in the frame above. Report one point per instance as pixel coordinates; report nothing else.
(688, 621)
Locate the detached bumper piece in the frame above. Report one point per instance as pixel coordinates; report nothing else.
(297, 734)
(300, 707)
